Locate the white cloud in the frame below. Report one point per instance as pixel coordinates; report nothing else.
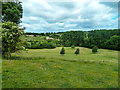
(33, 18)
(60, 24)
(26, 25)
(43, 16)
(70, 25)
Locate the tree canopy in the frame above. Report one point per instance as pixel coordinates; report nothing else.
(12, 11)
(11, 41)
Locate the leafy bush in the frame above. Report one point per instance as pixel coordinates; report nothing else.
(58, 45)
(51, 45)
(67, 44)
(27, 45)
(40, 45)
(72, 46)
(94, 49)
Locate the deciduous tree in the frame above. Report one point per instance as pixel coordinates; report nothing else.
(11, 41)
(12, 11)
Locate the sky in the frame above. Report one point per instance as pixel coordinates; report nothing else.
(41, 16)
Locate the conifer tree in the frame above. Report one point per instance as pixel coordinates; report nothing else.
(62, 52)
(94, 49)
(77, 51)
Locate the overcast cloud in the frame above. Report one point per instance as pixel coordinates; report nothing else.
(42, 16)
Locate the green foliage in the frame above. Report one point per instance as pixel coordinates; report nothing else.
(77, 51)
(26, 44)
(12, 11)
(51, 45)
(100, 38)
(113, 43)
(40, 45)
(74, 37)
(40, 42)
(94, 49)
(73, 46)
(11, 41)
(62, 52)
(67, 44)
(80, 45)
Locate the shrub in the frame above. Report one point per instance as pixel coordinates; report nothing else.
(44, 44)
(72, 46)
(58, 45)
(51, 45)
(40, 46)
(94, 49)
(67, 44)
(80, 45)
(27, 45)
(34, 45)
(77, 51)
(62, 52)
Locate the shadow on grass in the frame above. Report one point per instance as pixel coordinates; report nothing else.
(24, 58)
(52, 60)
(83, 61)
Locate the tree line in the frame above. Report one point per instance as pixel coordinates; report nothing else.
(106, 39)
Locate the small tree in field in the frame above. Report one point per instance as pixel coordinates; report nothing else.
(11, 41)
(77, 51)
(94, 49)
(62, 52)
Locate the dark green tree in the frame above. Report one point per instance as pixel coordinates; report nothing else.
(95, 49)
(62, 52)
(99, 37)
(67, 44)
(12, 11)
(77, 51)
(113, 43)
(74, 37)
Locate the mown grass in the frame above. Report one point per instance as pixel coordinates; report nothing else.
(46, 68)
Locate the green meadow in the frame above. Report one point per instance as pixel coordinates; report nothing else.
(47, 68)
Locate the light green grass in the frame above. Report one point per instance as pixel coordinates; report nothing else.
(46, 68)
(85, 55)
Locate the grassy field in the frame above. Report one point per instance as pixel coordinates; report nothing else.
(46, 68)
